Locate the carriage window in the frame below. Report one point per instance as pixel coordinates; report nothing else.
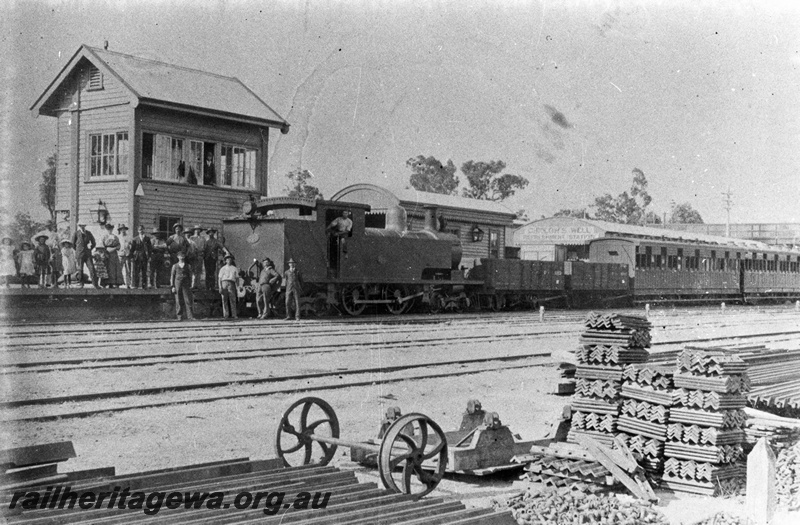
(648, 253)
(680, 259)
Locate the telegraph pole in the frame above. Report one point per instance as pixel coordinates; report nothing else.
(728, 202)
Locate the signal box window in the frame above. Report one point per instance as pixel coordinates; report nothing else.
(108, 154)
(493, 245)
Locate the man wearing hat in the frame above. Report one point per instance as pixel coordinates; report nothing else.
(180, 282)
(268, 282)
(210, 256)
(125, 259)
(227, 278)
(83, 242)
(178, 243)
(198, 241)
(141, 249)
(294, 287)
(159, 259)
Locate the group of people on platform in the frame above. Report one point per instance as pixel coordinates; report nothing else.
(114, 260)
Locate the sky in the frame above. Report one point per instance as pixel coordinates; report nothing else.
(572, 95)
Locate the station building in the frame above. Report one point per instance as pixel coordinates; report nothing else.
(145, 142)
(483, 226)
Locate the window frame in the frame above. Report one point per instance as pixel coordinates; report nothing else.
(119, 161)
(191, 143)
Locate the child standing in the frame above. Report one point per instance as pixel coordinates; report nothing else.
(56, 267)
(41, 260)
(100, 266)
(68, 262)
(8, 261)
(27, 267)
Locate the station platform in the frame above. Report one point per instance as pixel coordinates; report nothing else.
(19, 305)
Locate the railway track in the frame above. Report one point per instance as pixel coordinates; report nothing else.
(393, 352)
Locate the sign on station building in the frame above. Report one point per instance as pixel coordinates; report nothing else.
(556, 239)
(144, 142)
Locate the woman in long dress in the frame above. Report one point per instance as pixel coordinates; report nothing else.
(8, 261)
(111, 243)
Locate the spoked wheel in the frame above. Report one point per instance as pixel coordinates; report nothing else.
(399, 450)
(474, 302)
(436, 306)
(395, 293)
(294, 444)
(350, 295)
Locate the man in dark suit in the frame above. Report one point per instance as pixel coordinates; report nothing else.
(84, 243)
(181, 282)
(141, 249)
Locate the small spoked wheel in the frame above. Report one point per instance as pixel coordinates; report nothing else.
(436, 305)
(401, 456)
(350, 295)
(395, 293)
(310, 416)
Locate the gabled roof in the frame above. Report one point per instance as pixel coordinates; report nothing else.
(410, 197)
(158, 83)
(613, 229)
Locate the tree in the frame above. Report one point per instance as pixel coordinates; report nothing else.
(627, 208)
(684, 214)
(580, 213)
(299, 187)
(428, 174)
(47, 190)
(23, 227)
(485, 181)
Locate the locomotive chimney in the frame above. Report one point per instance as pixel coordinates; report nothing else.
(431, 222)
(396, 219)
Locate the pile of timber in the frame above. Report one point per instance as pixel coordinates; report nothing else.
(608, 344)
(647, 395)
(704, 437)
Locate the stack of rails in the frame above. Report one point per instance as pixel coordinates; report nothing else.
(348, 500)
(609, 343)
(573, 473)
(705, 431)
(774, 376)
(647, 395)
(781, 432)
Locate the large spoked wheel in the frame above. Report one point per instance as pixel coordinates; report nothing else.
(350, 295)
(305, 418)
(405, 453)
(395, 293)
(497, 302)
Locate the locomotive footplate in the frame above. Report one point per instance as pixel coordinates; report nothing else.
(481, 446)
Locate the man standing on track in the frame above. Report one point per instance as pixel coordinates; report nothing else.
(294, 286)
(228, 275)
(268, 281)
(180, 282)
(199, 241)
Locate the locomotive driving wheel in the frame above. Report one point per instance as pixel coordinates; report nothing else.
(395, 293)
(295, 431)
(351, 294)
(398, 449)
